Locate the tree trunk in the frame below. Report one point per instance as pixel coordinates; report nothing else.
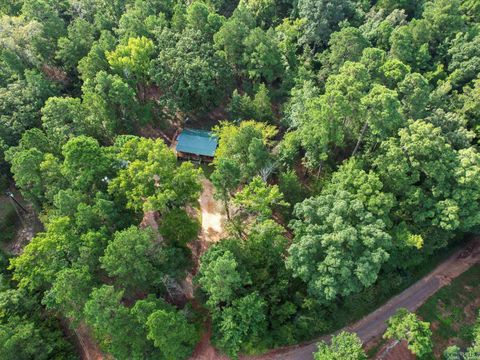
(360, 138)
(320, 166)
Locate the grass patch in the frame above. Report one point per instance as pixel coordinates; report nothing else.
(452, 311)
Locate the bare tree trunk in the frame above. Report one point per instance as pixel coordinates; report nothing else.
(227, 209)
(360, 138)
(320, 167)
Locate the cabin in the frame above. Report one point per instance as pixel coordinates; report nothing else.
(197, 145)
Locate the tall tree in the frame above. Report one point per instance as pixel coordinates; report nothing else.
(341, 238)
(133, 62)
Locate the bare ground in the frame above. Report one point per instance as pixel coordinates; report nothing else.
(213, 218)
(89, 348)
(213, 221)
(28, 224)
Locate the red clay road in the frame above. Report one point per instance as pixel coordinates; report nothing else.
(373, 325)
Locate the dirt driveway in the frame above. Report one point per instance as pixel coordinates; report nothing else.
(213, 217)
(373, 325)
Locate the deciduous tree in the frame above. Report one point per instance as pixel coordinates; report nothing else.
(406, 326)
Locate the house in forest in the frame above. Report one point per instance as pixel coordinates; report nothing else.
(195, 144)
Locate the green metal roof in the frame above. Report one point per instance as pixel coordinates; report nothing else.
(198, 142)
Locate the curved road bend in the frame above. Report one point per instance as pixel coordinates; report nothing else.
(373, 325)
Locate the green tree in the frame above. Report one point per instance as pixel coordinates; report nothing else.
(374, 59)
(111, 105)
(219, 276)
(414, 92)
(134, 259)
(95, 60)
(261, 57)
(341, 239)
(344, 346)
(393, 71)
(178, 228)
(63, 118)
(262, 105)
(344, 45)
(53, 26)
(389, 5)
(243, 107)
(172, 333)
(200, 17)
(452, 353)
(87, 165)
(133, 62)
(322, 18)
(474, 350)
(20, 104)
(241, 324)
(225, 178)
(465, 56)
(151, 178)
(445, 19)
(334, 119)
(471, 106)
(381, 109)
(77, 43)
(427, 177)
(114, 326)
(142, 19)
(471, 9)
(247, 145)
(264, 11)
(410, 44)
(454, 128)
(406, 326)
(23, 42)
(258, 199)
(69, 292)
(229, 39)
(26, 173)
(192, 75)
(46, 255)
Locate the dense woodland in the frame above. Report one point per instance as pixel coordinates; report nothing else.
(348, 158)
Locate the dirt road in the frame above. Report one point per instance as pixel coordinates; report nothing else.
(412, 298)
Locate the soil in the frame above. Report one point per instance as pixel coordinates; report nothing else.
(213, 217)
(28, 225)
(213, 220)
(89, 349)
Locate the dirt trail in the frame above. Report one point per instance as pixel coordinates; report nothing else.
(213, 220)
(89, 348)
(373, 325)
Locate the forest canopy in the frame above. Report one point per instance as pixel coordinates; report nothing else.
(347, 160)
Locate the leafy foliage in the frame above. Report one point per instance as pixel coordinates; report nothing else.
(406, 326)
